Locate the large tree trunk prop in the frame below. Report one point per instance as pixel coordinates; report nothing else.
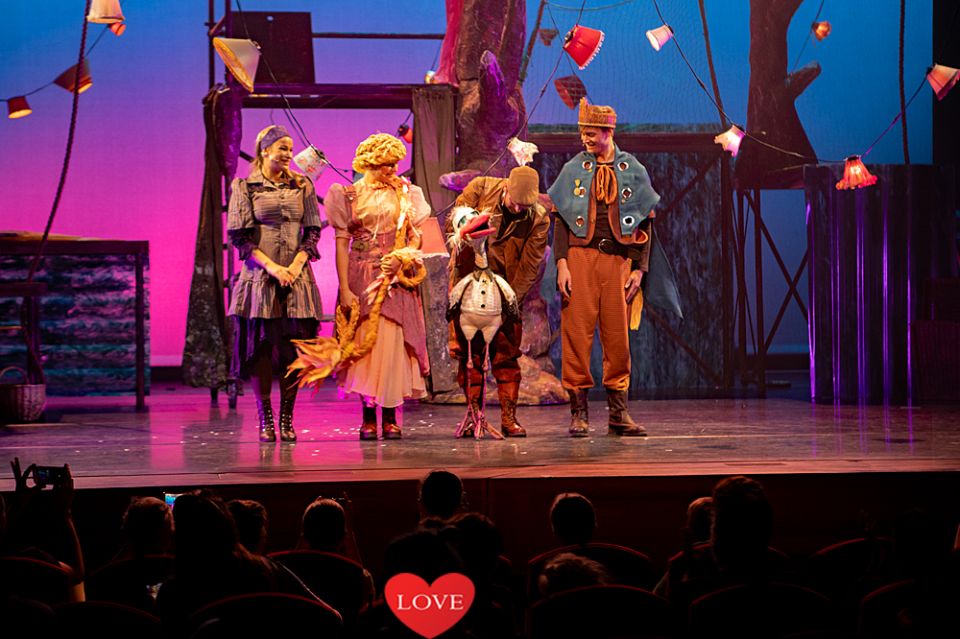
(489, 50)
(771, 112)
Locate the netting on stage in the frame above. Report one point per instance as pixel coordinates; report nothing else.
(645, 86)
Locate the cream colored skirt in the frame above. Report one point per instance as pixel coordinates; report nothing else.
(389, 373)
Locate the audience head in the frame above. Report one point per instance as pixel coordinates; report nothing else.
(250, 518)
(478, 542)
(742, 521)
(441, 494)
(324, 525)
(148, 526)
(423, 553)
(573, 519)
(699, 516)
(204, 531)
(567, 571)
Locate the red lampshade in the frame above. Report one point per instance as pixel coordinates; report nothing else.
(67, 78)
(118, 28)
(730, 140)
(820, 30)
(547, 36)
(571, 89)
(582, 44)
(405, 133)
(855, 175)
(17, 107)
(659, 36)
(942, 79)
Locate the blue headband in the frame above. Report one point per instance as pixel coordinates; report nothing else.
(272, 135)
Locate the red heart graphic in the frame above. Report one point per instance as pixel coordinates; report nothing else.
(429, 610)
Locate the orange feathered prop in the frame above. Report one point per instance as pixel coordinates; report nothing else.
(324, 356)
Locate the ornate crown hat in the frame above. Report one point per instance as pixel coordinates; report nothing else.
(596, 115)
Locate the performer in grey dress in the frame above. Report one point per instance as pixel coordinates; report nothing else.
(274, 223)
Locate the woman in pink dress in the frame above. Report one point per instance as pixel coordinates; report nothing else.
(365, 216)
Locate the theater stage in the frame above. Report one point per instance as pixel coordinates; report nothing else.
(826, 469)
(183, 439)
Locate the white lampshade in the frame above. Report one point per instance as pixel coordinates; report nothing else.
(105, 12)
(659, 36)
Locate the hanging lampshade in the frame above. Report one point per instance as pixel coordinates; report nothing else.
(820, 30)
(547, 35)
(241, 58)
(18, 107)
(311, 161)
(730, 140)
(855, 175)
(405, 133)
(105, 12)
(582, 44)
(570, 89)
(118, 28)
(942, 79)
(67, 78)
(522, 151)
(659, 36)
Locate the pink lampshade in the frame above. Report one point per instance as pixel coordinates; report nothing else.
(730, 139)
(855, 175)
(660, 36)
(105, 12)
(942, 79)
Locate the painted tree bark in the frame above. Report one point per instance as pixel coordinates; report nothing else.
(771, 113)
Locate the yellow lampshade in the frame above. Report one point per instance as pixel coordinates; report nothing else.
(68, 77)
(17, 107)
(105, 12)
(241, 58)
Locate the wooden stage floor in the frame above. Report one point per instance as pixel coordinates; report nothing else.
(184, 440)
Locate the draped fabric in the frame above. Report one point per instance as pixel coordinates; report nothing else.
(434, 142)
(872, 250)
(206, 348)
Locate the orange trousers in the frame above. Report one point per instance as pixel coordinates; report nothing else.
(597, 296)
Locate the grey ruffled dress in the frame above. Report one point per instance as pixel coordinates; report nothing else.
(281, 220)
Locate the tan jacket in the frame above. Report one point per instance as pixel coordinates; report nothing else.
(516, 253)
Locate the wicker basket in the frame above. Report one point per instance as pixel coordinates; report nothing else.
(21, 402)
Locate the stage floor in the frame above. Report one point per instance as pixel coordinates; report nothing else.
(184, 440)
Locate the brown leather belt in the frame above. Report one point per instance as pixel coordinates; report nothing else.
(608, 246)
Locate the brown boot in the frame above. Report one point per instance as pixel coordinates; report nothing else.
(579, 414)
(391, 430)
(368, 429)
(472, 394)
(509, 392)
(620, 422)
